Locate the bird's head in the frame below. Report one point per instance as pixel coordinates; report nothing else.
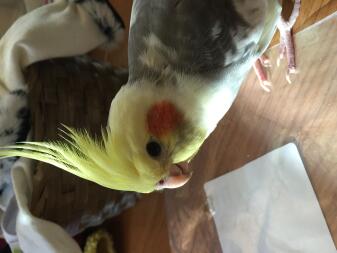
(155, 135)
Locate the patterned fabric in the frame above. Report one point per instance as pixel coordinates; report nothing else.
(14, 127)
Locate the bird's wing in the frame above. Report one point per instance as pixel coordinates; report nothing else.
(197, 36)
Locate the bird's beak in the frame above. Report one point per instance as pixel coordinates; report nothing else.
(179, 174)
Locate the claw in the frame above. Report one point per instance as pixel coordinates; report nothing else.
(266, 86)
(279, 59)
(265, 61)
(290, 72)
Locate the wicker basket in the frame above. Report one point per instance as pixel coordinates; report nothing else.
(76, 92)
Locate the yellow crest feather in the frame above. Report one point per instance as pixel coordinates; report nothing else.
(89, 158)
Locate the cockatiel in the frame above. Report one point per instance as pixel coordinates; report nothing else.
(187, 60)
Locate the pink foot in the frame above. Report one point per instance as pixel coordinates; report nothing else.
(286, 44)
(259, 65)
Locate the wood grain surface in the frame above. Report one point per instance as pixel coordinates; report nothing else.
(143, 228)
(304, 112)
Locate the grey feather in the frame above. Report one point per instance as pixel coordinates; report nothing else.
(216, 39)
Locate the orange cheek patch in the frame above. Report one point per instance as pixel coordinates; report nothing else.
(162, 118)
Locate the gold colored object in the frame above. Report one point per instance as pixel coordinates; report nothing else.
(99, 242)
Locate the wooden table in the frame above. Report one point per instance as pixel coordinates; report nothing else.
(304, 112)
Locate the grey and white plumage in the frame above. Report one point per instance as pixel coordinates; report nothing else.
(214, 41)
(202, 37)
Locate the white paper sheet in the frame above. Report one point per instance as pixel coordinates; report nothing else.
(269, 206)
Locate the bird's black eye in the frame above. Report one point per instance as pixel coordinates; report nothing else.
(153, 149)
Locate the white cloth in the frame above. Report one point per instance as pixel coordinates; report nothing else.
(269, 206)
(26, 232)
